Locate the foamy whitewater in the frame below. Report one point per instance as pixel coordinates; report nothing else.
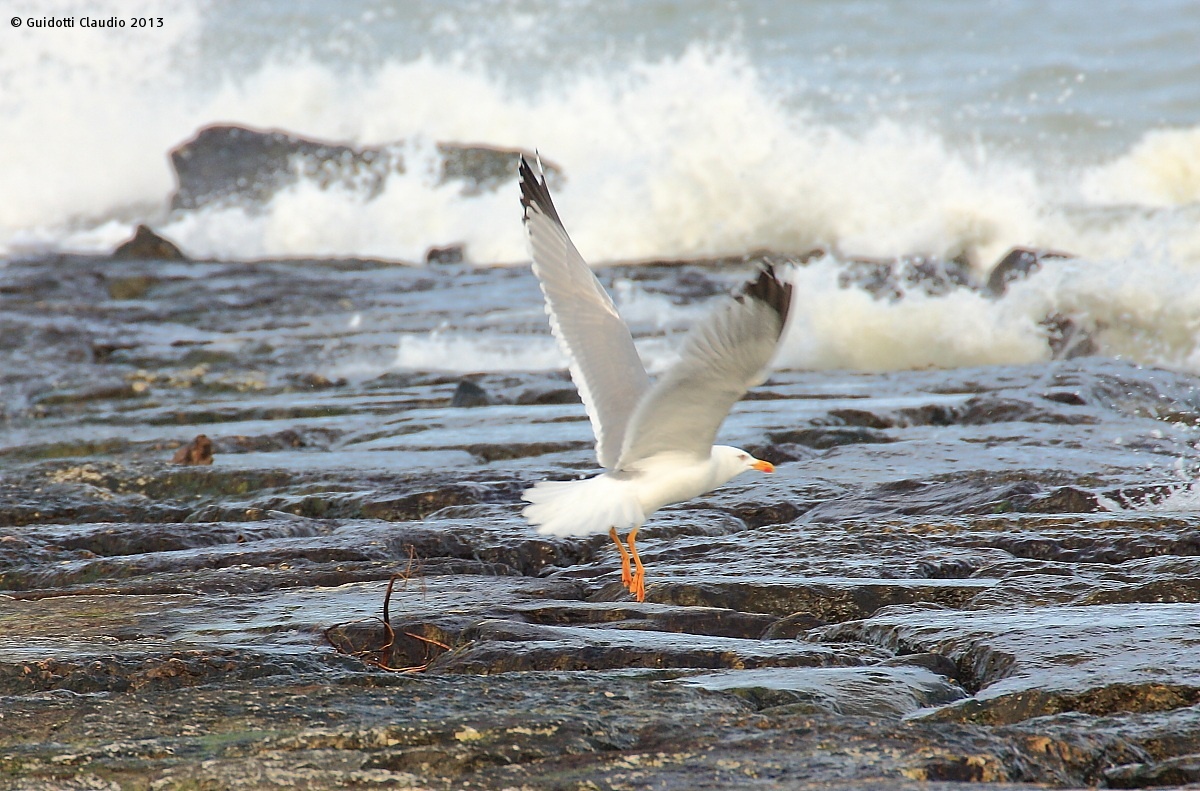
(938, 128)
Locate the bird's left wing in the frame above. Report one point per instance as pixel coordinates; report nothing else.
(721, 359)
(604, 363)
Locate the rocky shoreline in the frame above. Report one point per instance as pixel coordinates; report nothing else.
(964, 576)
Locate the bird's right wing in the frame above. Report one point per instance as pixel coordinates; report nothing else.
(604, 364)
(721, 359)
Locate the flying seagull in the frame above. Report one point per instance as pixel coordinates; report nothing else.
(654, 439)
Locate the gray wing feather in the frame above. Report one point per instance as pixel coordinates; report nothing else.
(604, 364)
(721, 359)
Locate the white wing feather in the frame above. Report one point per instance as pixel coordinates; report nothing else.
(721, 359)
(604, 364)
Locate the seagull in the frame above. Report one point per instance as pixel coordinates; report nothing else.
(654, 439)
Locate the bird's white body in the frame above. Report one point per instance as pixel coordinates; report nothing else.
(626, 498)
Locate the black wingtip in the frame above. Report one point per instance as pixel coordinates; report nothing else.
(534, 192)
(770, 290)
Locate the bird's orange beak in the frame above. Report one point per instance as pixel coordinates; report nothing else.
(763, 466)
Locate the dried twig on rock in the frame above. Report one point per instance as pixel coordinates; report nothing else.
(343, 642)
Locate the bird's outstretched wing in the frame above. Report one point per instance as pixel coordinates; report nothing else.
(604, 364)
(721, 359)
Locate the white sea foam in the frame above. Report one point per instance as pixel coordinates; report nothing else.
(686, 156)
(88, 118)
(1186, 498)
(847, 328)
(697, 152)
(441, 350)
(1149, 312)
(470, 353)
(659, 311)
(1161, 170)
(693, 154)
(1147, 309)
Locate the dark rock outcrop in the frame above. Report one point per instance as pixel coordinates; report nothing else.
(145, 244)
(235, 165)
(198, 451)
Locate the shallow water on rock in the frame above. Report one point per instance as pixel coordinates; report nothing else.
(972, 575)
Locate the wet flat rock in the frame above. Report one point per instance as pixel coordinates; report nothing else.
(550, 730)
(880, 691)
(501, 646)
(979, 575)
(1122, 658)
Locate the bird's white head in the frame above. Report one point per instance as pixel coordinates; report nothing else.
(732, 462)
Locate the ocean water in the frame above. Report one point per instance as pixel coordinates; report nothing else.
(683, 129)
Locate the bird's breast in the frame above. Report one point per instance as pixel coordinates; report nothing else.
(668, 478)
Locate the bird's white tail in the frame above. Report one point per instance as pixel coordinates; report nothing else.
(582, 508)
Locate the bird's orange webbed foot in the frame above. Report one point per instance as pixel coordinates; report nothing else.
(637, 586)
(626, 576)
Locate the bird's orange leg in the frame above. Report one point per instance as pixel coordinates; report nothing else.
(626, 577)
(638, 585)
